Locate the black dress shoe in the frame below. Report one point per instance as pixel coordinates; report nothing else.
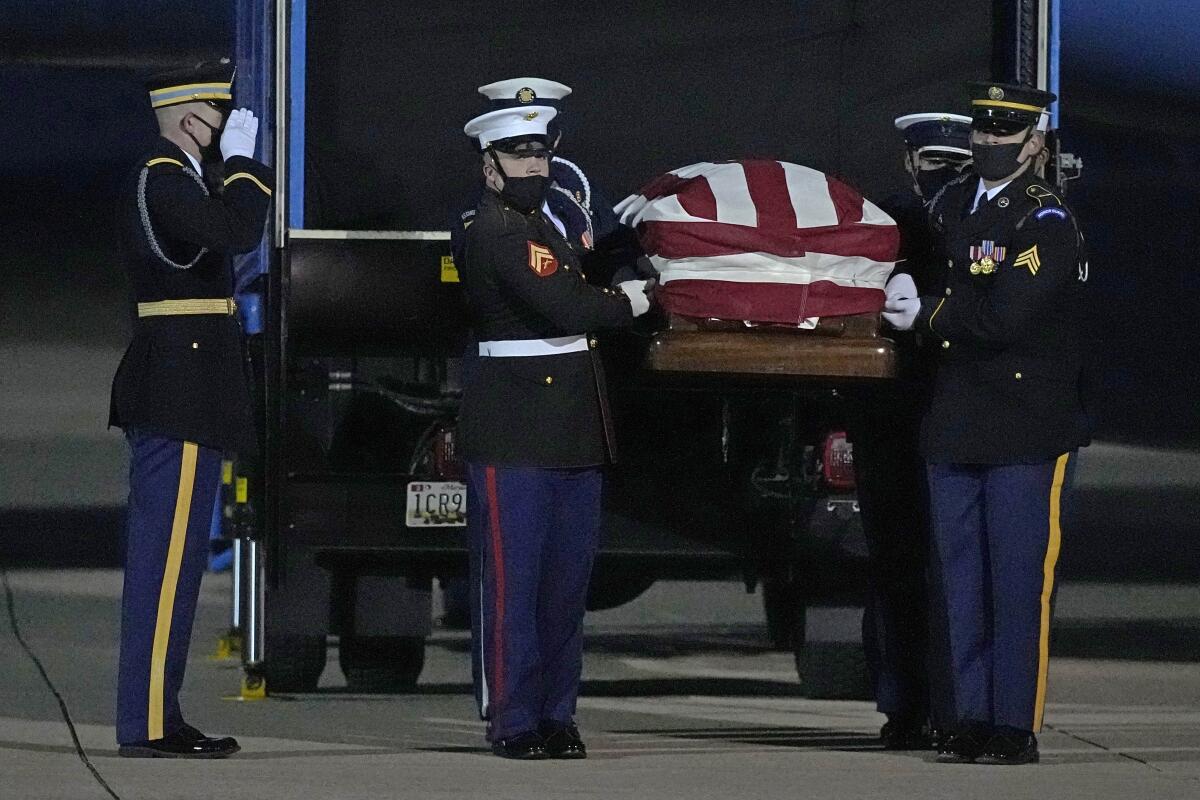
(562, 741)
(527, 746)
(965, 744)
(182, 743)
(1010, 746)
(903, 733)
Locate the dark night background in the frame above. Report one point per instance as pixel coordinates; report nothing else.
(75, 118)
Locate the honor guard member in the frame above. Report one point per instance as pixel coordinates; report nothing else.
(534, 432)
(576, 206)
(180, 393)
(1005, 422)
(890, 473)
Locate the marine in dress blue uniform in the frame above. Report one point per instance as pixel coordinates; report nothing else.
(890, 473)
(181, 391)
(534, 431)
(1005, 422)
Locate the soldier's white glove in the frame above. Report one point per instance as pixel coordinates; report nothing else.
(241, 130)
(636, 292)
(902, 312)
(900, 287)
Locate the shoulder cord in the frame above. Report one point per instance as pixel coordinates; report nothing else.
(144, 211)
(587, 186)
(586, 214)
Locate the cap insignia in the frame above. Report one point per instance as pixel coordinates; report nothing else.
(531, 115)
(996, 93)
(526, 95)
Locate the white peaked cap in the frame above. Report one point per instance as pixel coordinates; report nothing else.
(525, 90)
(506, 123)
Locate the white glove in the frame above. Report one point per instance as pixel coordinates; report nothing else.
(241, 129)
(902, 312)
(636, 292)
(900, 287)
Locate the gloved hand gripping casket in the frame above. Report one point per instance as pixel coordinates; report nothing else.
(770, 246)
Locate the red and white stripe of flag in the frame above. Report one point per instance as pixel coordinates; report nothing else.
(764, 241)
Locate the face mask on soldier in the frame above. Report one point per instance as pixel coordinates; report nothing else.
(994, 162)
(931, 181)
(525, 193)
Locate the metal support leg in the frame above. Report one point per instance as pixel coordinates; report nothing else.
(253, 604)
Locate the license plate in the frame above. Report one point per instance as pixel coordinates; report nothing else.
(438, 504)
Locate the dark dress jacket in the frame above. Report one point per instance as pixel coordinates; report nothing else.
(1009, 321)
(184, 376)
(523, 281)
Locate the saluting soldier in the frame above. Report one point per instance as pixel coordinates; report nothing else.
(181, 392)
(887, 461)
(1006, 419)
(534, 432)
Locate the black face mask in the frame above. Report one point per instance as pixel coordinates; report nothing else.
(996, 161)
(212, 153)
(525, 194)
(931, 181)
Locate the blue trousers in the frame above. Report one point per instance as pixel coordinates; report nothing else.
(997, 535)
(533, 537)
(172, 486)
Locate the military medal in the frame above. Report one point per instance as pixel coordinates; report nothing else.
(985, 257)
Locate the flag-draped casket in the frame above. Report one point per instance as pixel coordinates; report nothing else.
(762, 241)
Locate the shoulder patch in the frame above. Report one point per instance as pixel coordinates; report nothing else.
(541, 260)
(1050, 211)
(1041, 194)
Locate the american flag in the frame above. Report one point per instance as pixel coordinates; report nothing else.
(763, 241)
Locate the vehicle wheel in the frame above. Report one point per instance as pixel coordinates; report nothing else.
(381, 664)
(611, 589)
(833, 671)
(786, 613)
(294, 663)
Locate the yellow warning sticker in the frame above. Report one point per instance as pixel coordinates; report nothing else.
(449, 270)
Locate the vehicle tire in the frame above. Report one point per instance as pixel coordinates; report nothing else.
(381, 664)
(833, 671)
(785, 612)
(612, 589)
(294, 663)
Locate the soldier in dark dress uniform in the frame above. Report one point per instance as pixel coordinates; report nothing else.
(180, 393)
(887, 461)
(534, 432)
(1005, 422)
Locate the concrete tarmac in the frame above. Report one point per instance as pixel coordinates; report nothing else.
(682, 699)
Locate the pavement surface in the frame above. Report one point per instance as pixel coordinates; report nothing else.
(682, 699)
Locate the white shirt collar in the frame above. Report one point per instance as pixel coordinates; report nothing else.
(991, 193)
(192, 159)
(550, 215)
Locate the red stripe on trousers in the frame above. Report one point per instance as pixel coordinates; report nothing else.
(780, 303)
(768, 187)
(498, 561)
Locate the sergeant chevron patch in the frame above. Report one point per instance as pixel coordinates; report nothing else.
(1029, 258)
(541, 260)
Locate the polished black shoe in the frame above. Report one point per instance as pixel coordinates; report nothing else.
(1010, 746)
(965, 744)
(528, 746)
(187, 742)
(562, 741)
(905, 733)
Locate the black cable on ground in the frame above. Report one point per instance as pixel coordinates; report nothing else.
(62, 704)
